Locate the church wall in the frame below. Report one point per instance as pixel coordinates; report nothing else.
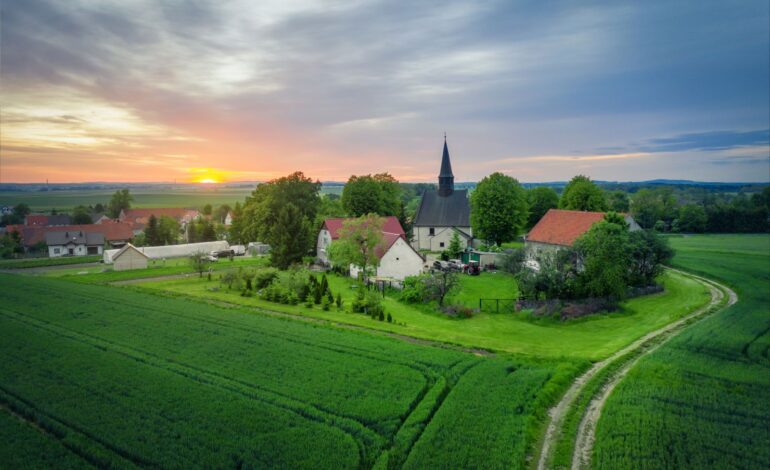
(437, 242)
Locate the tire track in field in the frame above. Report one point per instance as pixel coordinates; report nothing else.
(586, 431)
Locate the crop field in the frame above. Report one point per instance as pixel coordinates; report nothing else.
(703, 399)
(589, 338)
(115, 378)
(41, 262)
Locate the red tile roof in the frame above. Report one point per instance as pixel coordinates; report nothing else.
(143, 215)
(560, 227)
(31, 235)
(392, 225)
(37, 219)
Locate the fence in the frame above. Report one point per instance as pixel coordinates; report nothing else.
(497, 305)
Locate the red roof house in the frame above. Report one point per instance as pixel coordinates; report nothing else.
(563, 227)
(391, 225)
(115, 233)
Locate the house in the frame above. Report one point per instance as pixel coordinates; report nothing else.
(398, 259)
(138, 218)
(560, 228)
(100, 218)
(74, 243)
(229, 219)
(42, 220)
(129, 257)
(115, 234)
(442, 213)
(330, 232)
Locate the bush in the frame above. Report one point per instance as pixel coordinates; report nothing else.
(513, 261)
(458, 311)
(325, 304)
(339, 301)
(413, 290)
(390, 319)
(264, 277)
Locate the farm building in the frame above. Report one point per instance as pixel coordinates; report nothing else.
(173, 251)
(115, 234)
(129, 257)
(398, 260)
(442, 212)
(330, 232)
(138, 218)
(74, 243)
(560, 228)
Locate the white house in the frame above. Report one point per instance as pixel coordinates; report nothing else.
(229, 219)
(398, 260)
(330, 232)
(442, 213)
(129, 257)
(74, 243)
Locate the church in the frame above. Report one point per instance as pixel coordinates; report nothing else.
(442, 212)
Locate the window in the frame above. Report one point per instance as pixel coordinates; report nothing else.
(56, 251)
(441, 244)
(431, 231)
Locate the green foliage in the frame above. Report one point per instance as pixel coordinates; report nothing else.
(199, 262)
(702, 397)
(649, 206)
(81, 216)
(456, 247)
(357, 243)
(281, 213)
(618, 201)
(119, 201)
(649, 253)
(540, 200)
(692, 218)
(606, 260)
(151, 233)
(498, 208)
(264, 277)
(582, 194)
(439, 285)
(379, 194)
(41, 262)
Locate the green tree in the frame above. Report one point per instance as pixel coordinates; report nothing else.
(267, 212)
(646, 208)
(540, 199)
(81, 215)
(455, 248)
(168, 230)
(357, 243)
(618, 201)
(439, 285)
(498, 208)
(367, 194)
(606, 260)
(121, 200)
(692, 218)
(21, 210)
(649, 253)
(235, 234)
(151, 233)
(199, 262)
(207, 209)
(221, 212)
(582, 194)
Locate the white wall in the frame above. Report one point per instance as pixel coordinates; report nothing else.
(174, 251)
(322, 246)
(63, 250)
(130, 259)
(400, 261)
(423, 240)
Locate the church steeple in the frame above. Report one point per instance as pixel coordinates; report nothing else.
(446, 180)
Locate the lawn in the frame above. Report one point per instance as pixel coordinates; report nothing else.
(122, 378)
(43, 262)
(703, 399)
(590, 338)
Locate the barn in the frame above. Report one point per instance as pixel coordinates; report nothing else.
(129, 257)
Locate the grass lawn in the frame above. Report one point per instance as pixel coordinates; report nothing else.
(512, 245)
(590, 338)
(43, 262)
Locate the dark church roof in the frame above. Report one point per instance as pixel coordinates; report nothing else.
(453, 210)
(446, 166)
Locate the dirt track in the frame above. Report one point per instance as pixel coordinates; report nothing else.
(648, 343)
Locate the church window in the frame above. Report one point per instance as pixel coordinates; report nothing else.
(431, 231)
(441, 244)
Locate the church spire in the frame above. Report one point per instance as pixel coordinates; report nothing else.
(446, 180)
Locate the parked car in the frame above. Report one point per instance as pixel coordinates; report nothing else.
(456, 265)
(440, 265)
(222, 253)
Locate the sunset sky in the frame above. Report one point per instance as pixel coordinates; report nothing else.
(250, 90)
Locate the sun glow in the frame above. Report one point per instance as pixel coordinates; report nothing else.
(207, 181)
(207, 175)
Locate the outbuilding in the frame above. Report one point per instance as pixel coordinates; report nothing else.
(129, 257)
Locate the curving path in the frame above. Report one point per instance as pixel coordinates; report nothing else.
(581, 457)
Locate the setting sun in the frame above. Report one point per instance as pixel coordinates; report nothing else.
(207, 181)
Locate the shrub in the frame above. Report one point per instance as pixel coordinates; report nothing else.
(390, 319)
(339, 301)
(325, 304)
(458, 311)
(264, 277)
(413, 290)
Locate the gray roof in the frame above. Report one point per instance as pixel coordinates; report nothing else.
(74, 237)
(60, 219)
(453, 210)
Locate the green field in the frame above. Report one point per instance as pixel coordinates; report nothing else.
(43, 262)
(590, 338)
(176, 384)
(703, 399)
(143, 197)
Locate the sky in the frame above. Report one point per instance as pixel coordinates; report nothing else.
(243, 90)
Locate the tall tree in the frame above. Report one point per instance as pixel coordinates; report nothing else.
(617, 201)
(606, 260)
(582, 194)
(498, 208)
(357, 243)
(152, 235)
(540, 199)
(646, 208)
(168, 230)
(121, 200)
(367, 194)
(81, 215)
(289, 236)
(692, 218)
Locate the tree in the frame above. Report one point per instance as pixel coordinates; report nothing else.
(617, 201)
(498, 208)
(99, 208)
(207, 209)
(455, 248)
(357, 243)
(692, 218)
(440, 284)
(199, 261)
(168, 230)
(151, 233)
(81, 215)
(646, 208)
(582, 194)
(236, 229)
(21, 210)
(606, 260)
(221, 213)
(649, 252)
(615, 218)
(540, 200)
(367, 194)
(121, 200)
(267, 212)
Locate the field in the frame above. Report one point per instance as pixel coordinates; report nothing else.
(590, 338)
(143, 197)
(703, 399)
(40, 262)
(178, 384)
